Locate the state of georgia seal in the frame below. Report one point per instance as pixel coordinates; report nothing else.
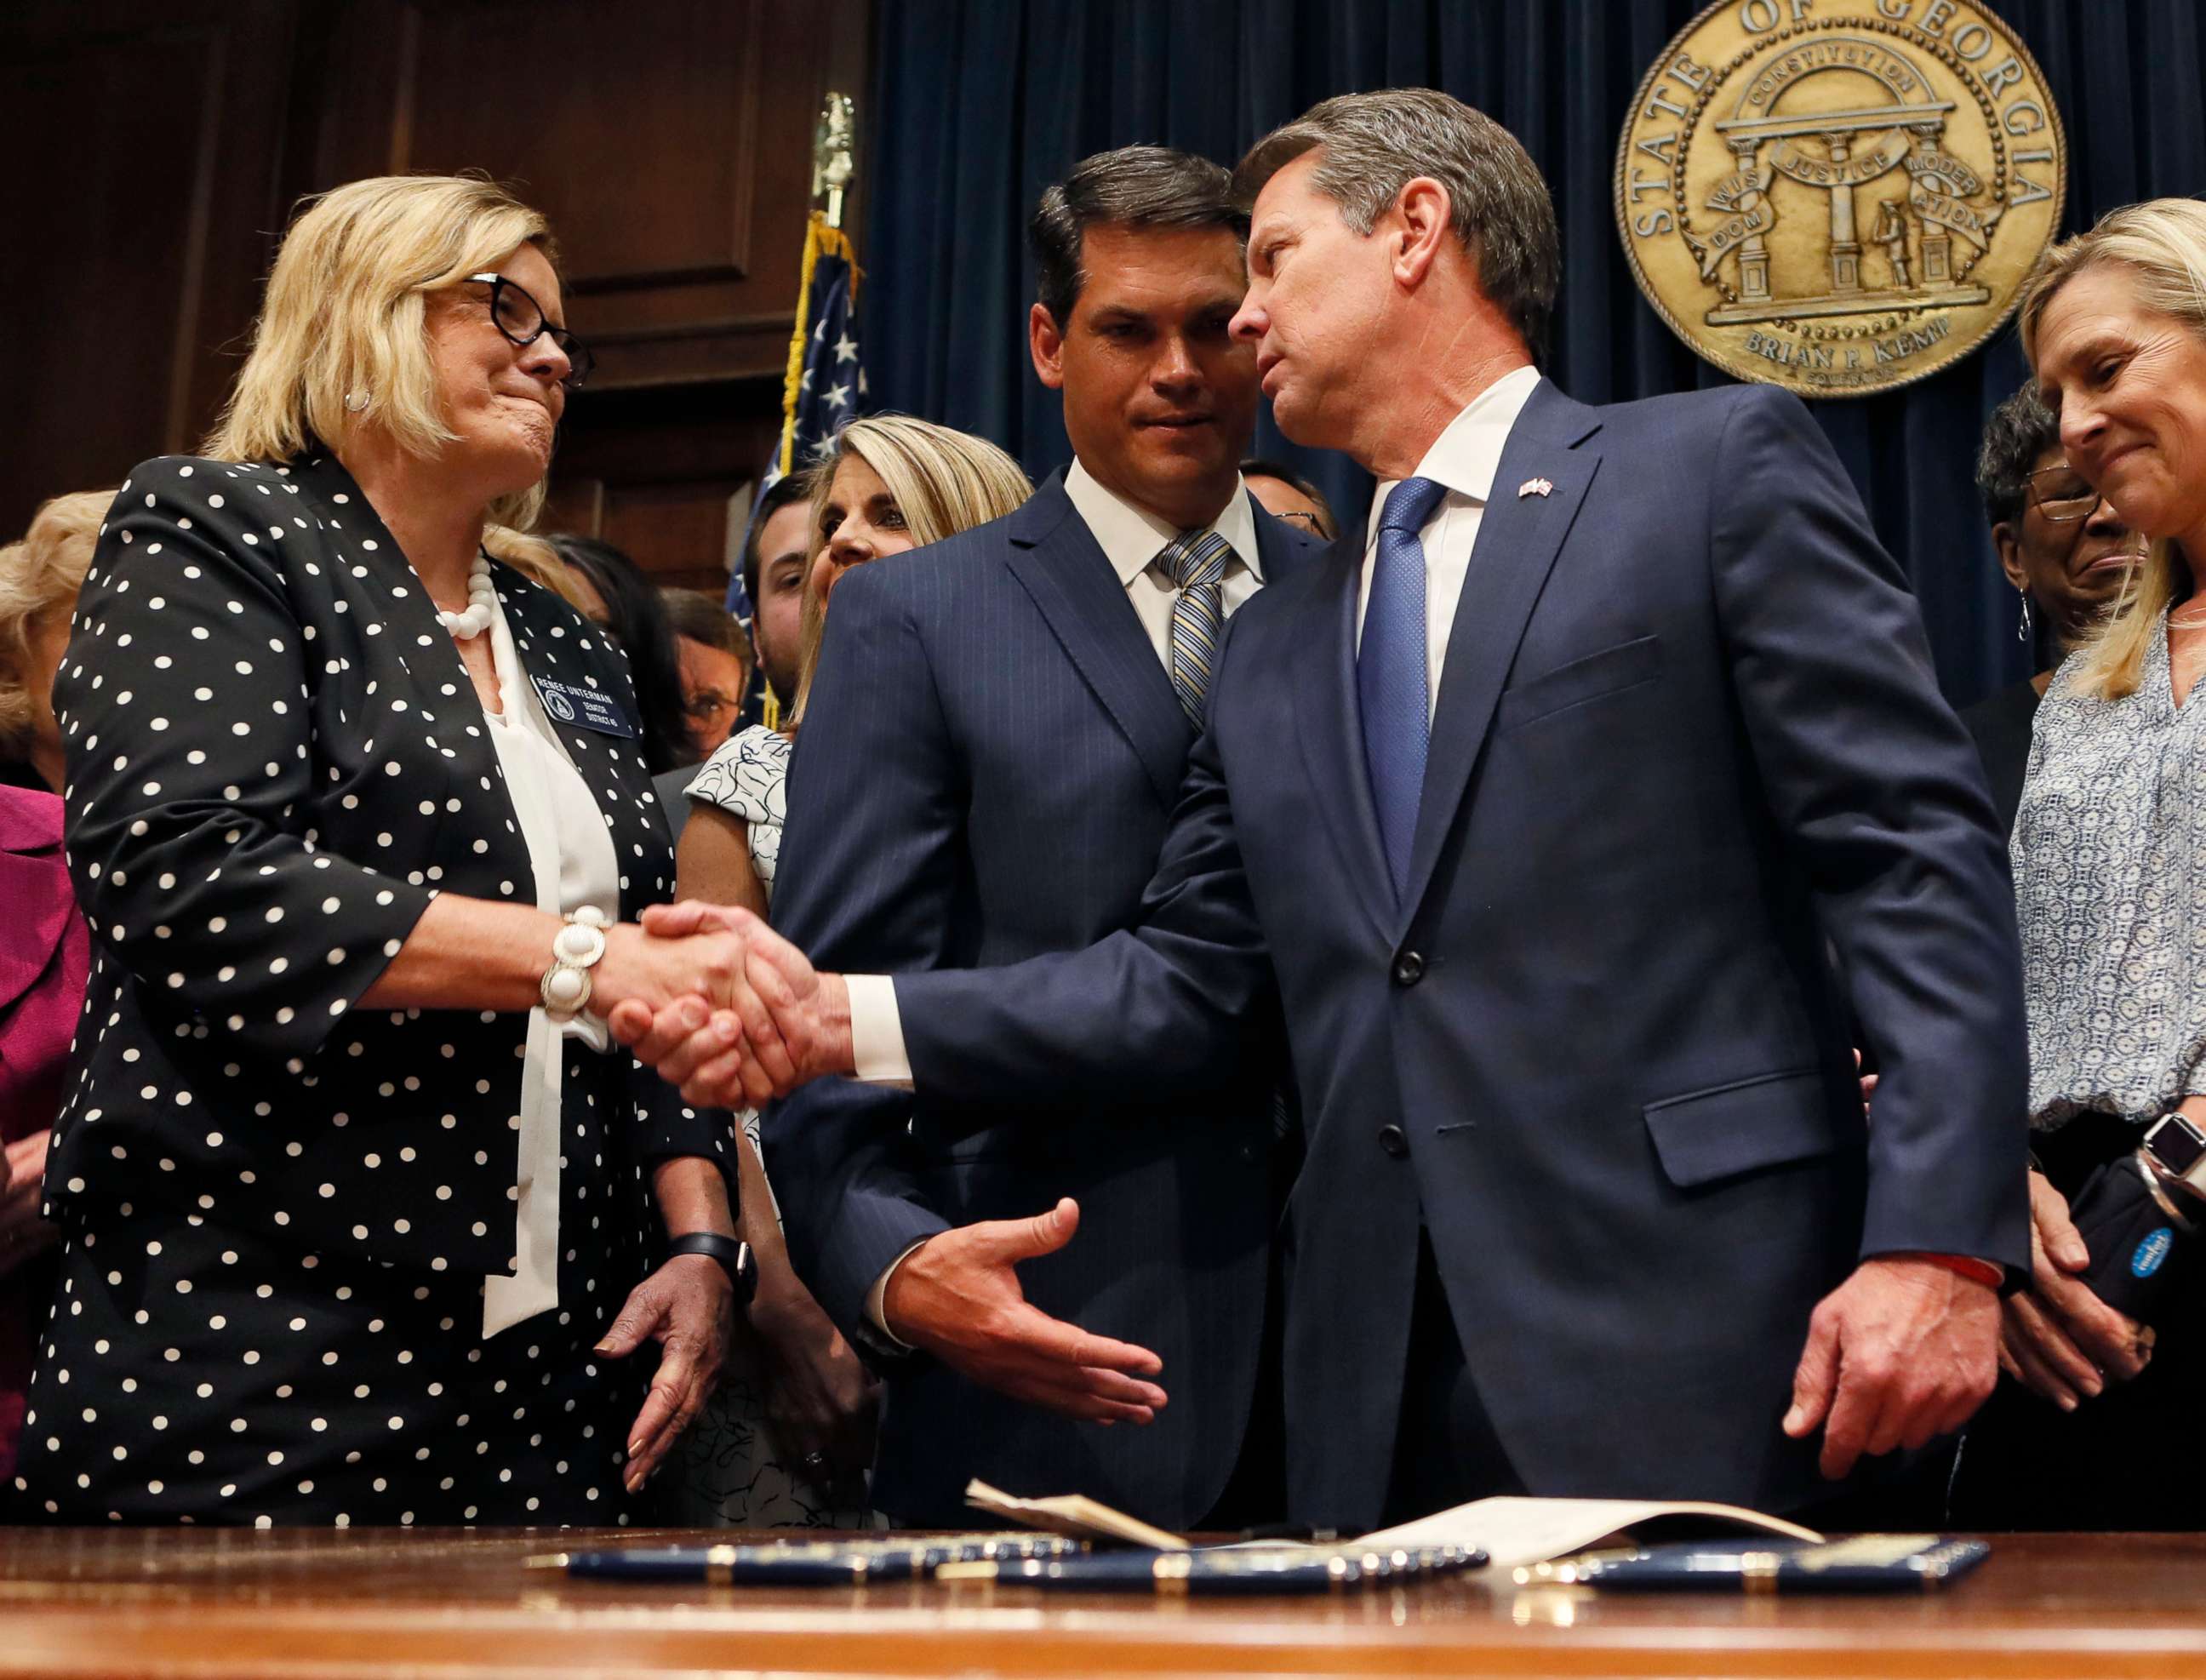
(1840, 196)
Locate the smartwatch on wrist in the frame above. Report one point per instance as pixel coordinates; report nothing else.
(2175, 1149)
(734, 1257)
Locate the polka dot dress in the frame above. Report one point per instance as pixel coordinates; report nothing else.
(200, 1374)
(278, 1208)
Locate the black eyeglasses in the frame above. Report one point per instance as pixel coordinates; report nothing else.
(522, 320)
(1307, 520)
(2061, 493)
(709, 706)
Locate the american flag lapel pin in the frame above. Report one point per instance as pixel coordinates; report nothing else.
(1533, 487)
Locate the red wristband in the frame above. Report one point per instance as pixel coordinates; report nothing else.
(1976, 1271)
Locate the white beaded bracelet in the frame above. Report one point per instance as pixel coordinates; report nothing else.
(575, 948)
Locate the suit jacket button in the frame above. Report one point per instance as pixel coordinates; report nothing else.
(1409, 968)
(1394, 1141)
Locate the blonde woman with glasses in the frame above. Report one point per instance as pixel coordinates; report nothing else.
(788, 1443)
(361, 1212)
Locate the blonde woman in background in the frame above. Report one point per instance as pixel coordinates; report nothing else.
(40, 577)
(2109, 855)
(45, 953)
(893, 484)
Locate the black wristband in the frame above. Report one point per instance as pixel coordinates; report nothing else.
(734, 1258)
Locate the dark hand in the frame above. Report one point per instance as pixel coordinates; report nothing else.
(23, 1234)
(2057, 1338)
(687, 1306)
(820, 1399)
(958, 1296)
(1904, 1350)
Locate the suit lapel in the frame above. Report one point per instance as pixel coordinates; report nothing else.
(411, 637)
(1331, 728)
(555, 644)
(1518, 538)
(558, 658)
(1057, 560)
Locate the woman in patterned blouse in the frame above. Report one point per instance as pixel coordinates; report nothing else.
(2109, 856)
(893, 484)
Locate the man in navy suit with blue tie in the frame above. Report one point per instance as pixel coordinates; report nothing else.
(1540, 799)
(986, 771)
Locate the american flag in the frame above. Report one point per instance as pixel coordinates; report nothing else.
(826, 381)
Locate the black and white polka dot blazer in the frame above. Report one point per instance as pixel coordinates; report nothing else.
(276, 760)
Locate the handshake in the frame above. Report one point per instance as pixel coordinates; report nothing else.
(735, 1014)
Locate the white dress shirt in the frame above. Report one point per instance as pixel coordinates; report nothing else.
(571, 856)
(1463, 458)
(1130, 538)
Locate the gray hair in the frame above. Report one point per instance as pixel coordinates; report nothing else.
(2021, 429)
(1372, 145)
(1134, 187)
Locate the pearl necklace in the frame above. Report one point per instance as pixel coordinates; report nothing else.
(482, 604)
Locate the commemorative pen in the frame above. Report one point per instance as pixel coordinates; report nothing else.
(800, 1564)
(1221, 1570)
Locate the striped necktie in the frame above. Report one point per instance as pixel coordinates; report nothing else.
(1194, 563)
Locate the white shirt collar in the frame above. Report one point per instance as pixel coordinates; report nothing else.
(1465, 456)
(1132, 537)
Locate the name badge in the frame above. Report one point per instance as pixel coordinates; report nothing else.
(582, 708)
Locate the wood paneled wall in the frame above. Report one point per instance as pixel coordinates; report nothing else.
(133, 219)
(163, 141)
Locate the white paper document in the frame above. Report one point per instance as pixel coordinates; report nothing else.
(1512, 1532)
(1515, 1532)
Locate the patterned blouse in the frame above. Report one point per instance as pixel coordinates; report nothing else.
(748, 778)
(2109, 857)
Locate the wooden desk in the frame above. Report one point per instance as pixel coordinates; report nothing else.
(190, 1603)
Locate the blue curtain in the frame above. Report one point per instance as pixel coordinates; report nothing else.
(978, 105)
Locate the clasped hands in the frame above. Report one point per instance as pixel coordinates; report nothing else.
(2057, 1338)
(769, 1023)
(753, 1022)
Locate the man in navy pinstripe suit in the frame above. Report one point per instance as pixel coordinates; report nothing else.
(1620, 713)
(985, 772)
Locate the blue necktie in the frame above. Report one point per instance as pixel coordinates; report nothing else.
(1391, 681)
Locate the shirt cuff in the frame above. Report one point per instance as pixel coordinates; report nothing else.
(877, 1051)
(1990, 1274)
(877, 1297)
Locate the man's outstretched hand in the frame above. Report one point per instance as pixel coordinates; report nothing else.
(783, 1026)
(958, 1296)
(1904, 1350)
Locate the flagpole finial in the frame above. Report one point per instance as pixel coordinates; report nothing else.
(834, 154)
